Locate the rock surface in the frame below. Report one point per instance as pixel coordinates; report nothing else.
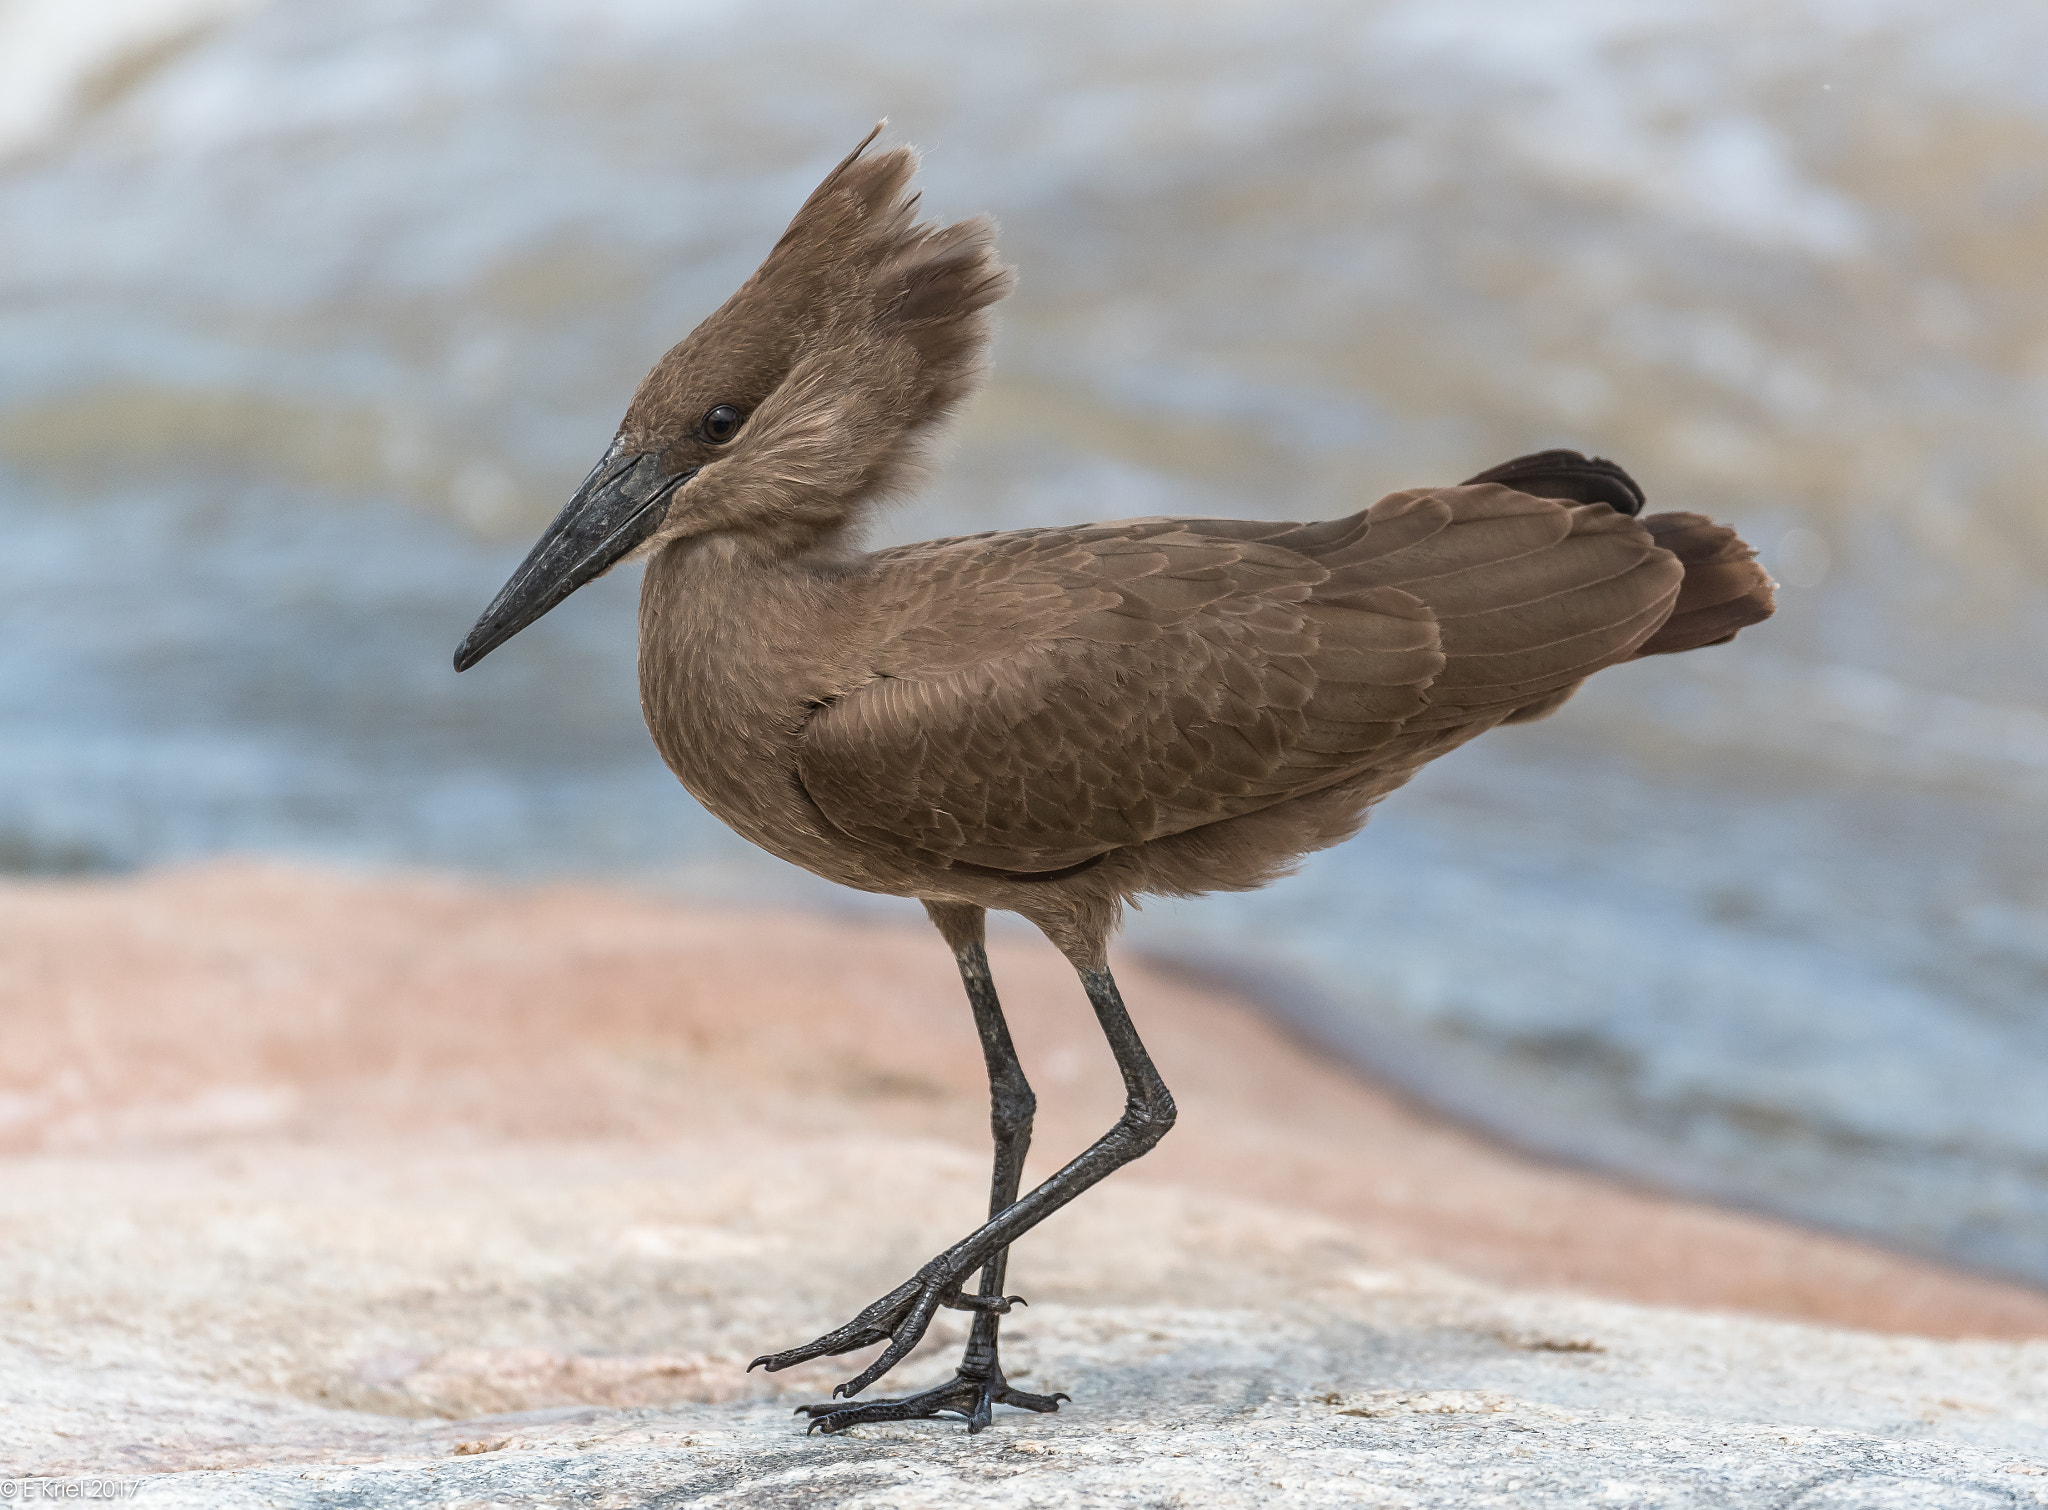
(340, 1192)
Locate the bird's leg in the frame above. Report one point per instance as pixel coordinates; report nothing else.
(978, 1386)
(901, 1317)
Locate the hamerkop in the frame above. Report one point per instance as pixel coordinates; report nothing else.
(1053, 721)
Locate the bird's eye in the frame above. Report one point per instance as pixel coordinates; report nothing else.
(721, 424)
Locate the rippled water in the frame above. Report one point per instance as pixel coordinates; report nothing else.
(313, 314)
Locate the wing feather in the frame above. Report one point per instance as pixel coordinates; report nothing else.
(1044, 696)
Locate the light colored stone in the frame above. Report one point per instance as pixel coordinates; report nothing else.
(415, 1193)
(271, 1319)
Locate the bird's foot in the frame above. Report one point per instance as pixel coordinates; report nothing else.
(899, 1318)
(971, 1395)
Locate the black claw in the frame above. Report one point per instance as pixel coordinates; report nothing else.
(998, 1305)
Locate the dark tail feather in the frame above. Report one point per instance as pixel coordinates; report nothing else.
(1724, 588)
(1569, 476)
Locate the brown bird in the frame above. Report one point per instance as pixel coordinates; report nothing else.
(1053, 721)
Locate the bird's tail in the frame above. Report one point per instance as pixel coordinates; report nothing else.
(1724, 591)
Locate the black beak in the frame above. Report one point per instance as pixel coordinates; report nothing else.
(621, 503)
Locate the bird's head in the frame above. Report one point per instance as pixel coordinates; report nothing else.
(809, 393)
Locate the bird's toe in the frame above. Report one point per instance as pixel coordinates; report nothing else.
(844, 1340)
(996, 1304)
(898, 1318)
(971, 1397)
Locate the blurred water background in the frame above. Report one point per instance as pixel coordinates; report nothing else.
(311, 315)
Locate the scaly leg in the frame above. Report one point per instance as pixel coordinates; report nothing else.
(901, 1317)
(978, 1386)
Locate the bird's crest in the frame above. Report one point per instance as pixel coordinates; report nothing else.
(858, 336)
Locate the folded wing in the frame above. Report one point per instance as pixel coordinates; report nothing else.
(1043, 697)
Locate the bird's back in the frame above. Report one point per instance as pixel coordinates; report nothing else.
(1042, 698)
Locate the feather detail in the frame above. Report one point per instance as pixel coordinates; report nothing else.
(1082, 690)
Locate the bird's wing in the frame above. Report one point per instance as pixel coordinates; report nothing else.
(1042, 697)
(1531, 597)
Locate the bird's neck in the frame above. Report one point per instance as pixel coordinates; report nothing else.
(745, 597)
(745, 638)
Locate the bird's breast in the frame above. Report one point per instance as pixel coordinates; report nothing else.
(728, 679)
